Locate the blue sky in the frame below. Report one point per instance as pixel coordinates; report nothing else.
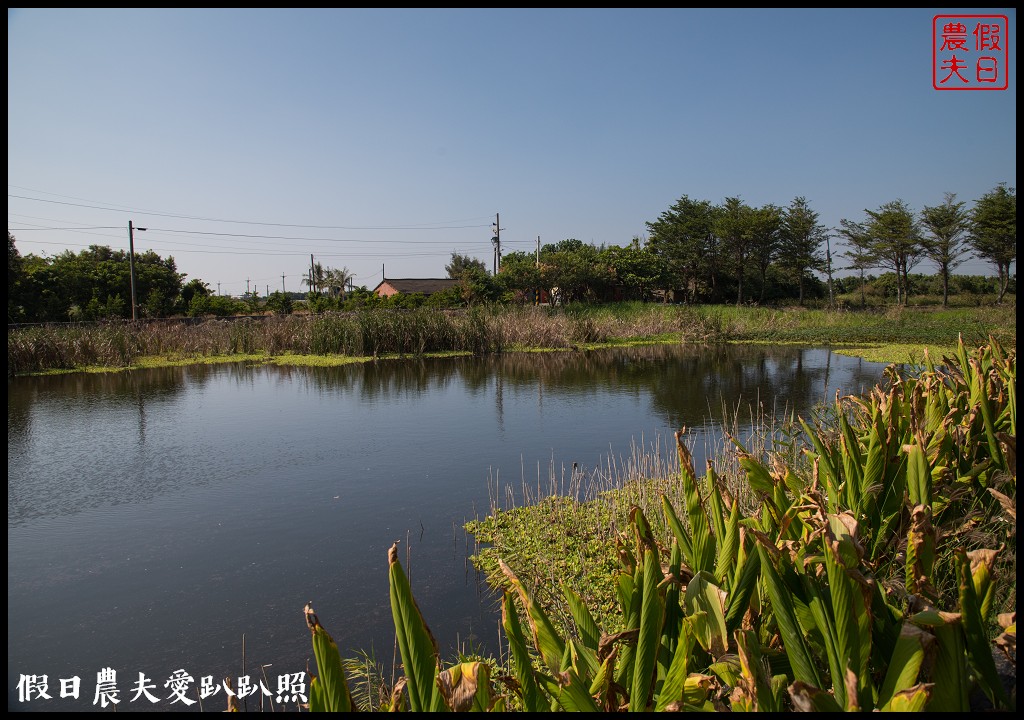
(391, 138)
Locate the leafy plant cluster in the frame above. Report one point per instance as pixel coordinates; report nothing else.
(877, 574)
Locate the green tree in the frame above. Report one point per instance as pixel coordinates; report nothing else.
(461, 263)
(479, 286)
(637, 269)
(575, 269)
(53, 285)
(734, 226)
(994, 231)
(860, 252)
(520, 276)
(476, 285)
(317, 279)
(223, 306)
(896, 240)
(279, 303)
(946, 243)
(683, 237)
(191, 290)
(800, 242)
(15, 271)
(199, 305)
(337, 280)
(765, 237)
(158, 281)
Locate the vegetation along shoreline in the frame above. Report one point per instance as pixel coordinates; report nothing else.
(896, 334)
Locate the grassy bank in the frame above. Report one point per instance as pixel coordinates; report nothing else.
(344, 337)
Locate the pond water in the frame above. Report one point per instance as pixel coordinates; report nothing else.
(171, 519)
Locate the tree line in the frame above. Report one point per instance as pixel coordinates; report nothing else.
(700, 252)
(715, 252)
(696, 252)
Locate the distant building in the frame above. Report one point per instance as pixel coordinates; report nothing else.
(427, 286)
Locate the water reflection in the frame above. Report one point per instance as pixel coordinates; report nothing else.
(684, 383)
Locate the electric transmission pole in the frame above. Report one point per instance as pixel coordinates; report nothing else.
(131, 265)
(496, 241)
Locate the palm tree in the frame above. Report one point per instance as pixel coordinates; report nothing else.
(337, 280)
(319, 278)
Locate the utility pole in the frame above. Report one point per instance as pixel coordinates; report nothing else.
(536, 299)
(131, 265)
(218, 289)
(282, 285)
(247, 286)
(268, 290)
(496, 241)
(828, 267)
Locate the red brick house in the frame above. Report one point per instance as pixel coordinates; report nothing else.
(427, 286)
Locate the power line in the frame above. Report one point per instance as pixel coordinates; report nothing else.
(415, 226)
(306, 239)
(97, 227)
(242, 251)
(247, 236)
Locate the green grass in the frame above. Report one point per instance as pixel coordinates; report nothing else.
(326, 339)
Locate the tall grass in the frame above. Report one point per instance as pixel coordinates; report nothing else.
(483, 330)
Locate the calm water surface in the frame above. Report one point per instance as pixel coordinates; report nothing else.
(156, 518)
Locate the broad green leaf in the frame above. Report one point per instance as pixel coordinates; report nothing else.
(679, 532)
(913, 699)
(803, 663)
(672, 690)
(332, 692)
(825, 463)
(716, 510)
(979, 650)
(545, 637)
(754, 681)
(747, 572)
(819, 605)
(589, 632)
(416, 644)
(905, 663)
(700, 539)
(982, 563)
(569, 692)
(705, 601)
(522, 667)
(673, 614)
(949, 667)
(651, 615)
(757, 474)
(980, 398)
(851, 602)
(583, 659)
(728, 547)
(919, 478)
